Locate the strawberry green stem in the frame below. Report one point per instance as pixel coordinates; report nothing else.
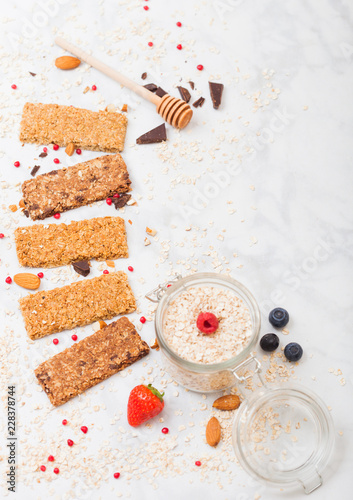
(156, 392)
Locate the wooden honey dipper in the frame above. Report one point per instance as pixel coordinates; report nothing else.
(174, 111)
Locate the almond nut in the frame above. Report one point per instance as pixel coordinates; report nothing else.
(102, 323)
(13, 208)
(27, 280)
(227, 403)
(147, 242)
(67, 62)
(70, 149)
(21, 204)
(110, 263)
(124, 108)
(213, 432)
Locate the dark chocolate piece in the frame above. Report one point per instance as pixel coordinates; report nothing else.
(199, 103)
(216, 91)
(185, 94)
(144, 76)
(152, 87)
(82, 267)
(192, 85)
(160, 92)
(121, 201)
(43, 155)
(158, 134)
(33, 74)
(35, 170)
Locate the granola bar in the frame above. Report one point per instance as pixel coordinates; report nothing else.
(52, 245)
(72, 187)
(94, 359)
(78, 304)
(62, 125)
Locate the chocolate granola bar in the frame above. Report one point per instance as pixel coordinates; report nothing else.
(94, 359)
(51, 245)
(62, 125)
(72, 187)
(78, 304)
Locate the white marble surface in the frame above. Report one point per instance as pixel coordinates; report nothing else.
(291, 232)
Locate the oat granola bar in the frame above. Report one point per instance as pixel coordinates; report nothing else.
(72, 187)
(51, 245)
(94, 359)
(78, 304)
(62, 125)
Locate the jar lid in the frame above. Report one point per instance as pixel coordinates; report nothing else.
(284, 436)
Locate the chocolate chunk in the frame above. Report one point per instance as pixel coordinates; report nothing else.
(121, 201)
(192, 85)
(158, 134)
(33, 74)
(185, 94)
(152, 87)
(82, 267)
(160, 92)
(35, 170)
(216, 90)
(144, 76)
(43, 155)
(199, 102)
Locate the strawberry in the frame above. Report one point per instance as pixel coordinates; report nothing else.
(145, 402)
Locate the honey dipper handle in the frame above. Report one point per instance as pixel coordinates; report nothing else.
(107, 70)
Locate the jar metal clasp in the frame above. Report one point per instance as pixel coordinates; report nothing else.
(252, 364)
(157, 293)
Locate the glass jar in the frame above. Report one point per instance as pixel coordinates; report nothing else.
(282, 435)
(202, 377)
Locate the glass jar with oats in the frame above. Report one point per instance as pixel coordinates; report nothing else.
(206, 324)
(207, 327)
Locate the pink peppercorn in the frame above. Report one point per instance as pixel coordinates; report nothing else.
(51, 458)
(2, 235)
(108, 201)
(43, 468)
(116, 195)
(199, 67)
(84, 429)
(179, 47)
(146, 7)
(17, 164)
(179, 24)
(64, 422)
(8, 280)
(74, 337)
(13, 86)
(56, 160)
(165, 430)
(56, 216)
(150, 44)
(70, 442)
(116, 475)
(130, 268)
(143, 319)
(55, 147)
(105, 271)
(78, 151)
(94, 87)
(56, 470)
(197, 463)
(45, 150)
(40, 275)
(55, 341)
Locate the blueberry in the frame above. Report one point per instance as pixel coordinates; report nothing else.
(278, 317)
(269, 342)
(293, 351)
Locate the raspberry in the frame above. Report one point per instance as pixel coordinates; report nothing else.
(207, 323)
